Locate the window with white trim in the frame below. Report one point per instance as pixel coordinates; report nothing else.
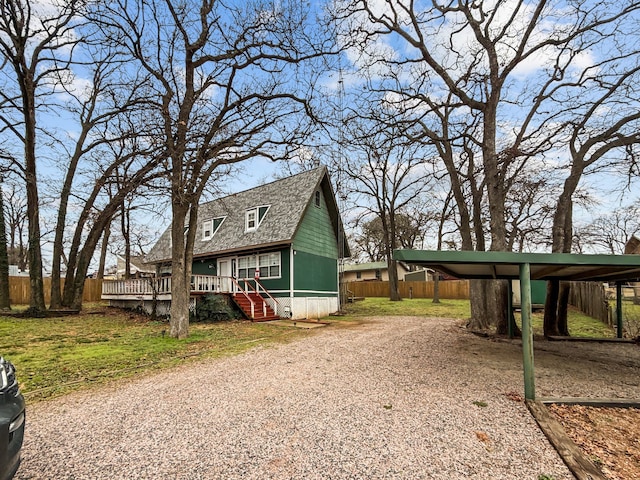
(318, 199)
(268, 264)
(210, 227)
(253, 217)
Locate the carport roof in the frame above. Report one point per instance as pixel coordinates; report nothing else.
(543, 266)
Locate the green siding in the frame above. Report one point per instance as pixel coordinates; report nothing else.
(201, 267)
(315, 272)
(316, 235)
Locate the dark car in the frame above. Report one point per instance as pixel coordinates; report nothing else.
(12, 417)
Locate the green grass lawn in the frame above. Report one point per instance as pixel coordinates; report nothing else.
(631, 318)
(580, 325)
(56, 355)
(415, 307)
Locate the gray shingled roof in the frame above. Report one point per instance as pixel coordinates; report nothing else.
(287, 199)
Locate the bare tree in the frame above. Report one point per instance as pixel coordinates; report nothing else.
(410, 231)
(36, 42)
(98, 110)
(387, 175)
(15, 212)
(602, 129)
(5, 301)
(227, 78)
(504, 65)
(609, 232)
(132, 154)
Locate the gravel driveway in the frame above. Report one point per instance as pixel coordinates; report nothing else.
(390, 399)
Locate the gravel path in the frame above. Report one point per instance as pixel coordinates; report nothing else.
(390, 399)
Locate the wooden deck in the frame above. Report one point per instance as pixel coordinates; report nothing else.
(249, 294)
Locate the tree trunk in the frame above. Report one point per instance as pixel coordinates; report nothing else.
(478, 300)
(103, 251)
(84, 257)
(5, 300)
(56, 288)
(124, 223)
(394, 292)
(36, 299)
(550, 323)
(556, 304)
(436, 287)
(180, 274)
(563, 308)
(501, 296)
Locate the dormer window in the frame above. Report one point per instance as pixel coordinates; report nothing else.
(210, 227)
(253, 217)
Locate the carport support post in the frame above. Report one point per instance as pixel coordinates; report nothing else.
(619, 308)
(527, 332)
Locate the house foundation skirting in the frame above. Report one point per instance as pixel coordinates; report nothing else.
(163, 307)
(311, 307)
(298, 308)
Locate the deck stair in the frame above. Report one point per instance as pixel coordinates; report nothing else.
(262, 312)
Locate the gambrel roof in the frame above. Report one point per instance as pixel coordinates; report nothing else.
(287, 201)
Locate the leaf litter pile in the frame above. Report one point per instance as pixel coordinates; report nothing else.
(610, 437)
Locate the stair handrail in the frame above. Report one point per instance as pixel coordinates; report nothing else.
(247, 283)
(237, 284)
(276, 304)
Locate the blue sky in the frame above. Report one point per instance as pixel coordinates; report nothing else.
(255, 172)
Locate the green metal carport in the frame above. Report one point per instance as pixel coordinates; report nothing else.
(527, 267)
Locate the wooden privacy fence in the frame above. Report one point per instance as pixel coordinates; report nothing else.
(591, 298)
(451, 289)
(20, 289)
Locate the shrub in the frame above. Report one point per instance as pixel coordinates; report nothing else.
(213, 308)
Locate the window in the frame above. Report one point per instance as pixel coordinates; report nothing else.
(251, 223)
(246, 267)
(210, 227)
(378, 275)
(318, 199)
(207, 230)
(268, 264)
(358, 275)
(254, 216)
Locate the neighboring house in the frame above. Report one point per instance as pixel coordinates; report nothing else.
(138, 268)
(275, 247)
(422, 275)
(358, 272)
(632, 247)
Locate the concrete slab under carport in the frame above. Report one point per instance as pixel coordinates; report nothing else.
(527, 267)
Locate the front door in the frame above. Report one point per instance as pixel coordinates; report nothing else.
(226, 268)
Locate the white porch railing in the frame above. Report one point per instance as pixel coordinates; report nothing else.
(137, 286)
(162, 285)
(150, 287)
